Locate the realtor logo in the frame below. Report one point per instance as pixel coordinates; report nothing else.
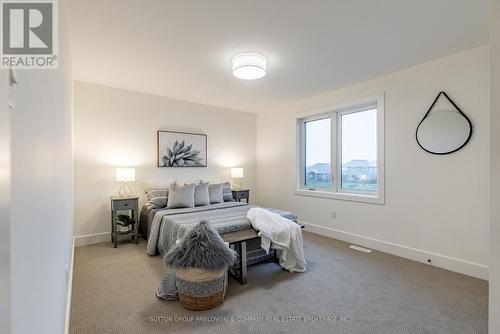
(29, 34)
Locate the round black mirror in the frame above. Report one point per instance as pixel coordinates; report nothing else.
(444, 132)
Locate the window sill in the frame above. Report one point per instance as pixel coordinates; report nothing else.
(372, 199)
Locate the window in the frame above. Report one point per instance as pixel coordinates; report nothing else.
(318, 153)
(358, 150)
(341, 153)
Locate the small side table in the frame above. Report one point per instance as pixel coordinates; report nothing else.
(130, 204)
(238, 195)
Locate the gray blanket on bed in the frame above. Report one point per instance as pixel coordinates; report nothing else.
(168, 225)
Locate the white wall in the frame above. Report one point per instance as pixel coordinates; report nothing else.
(436, 206)
(41, 196)
(4, 202)
(494, 307)
(116, 128)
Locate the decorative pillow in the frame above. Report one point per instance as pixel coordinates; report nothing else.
(227, 194)
(201, 194)
(181, 196)
(215, 193)
(158, 197)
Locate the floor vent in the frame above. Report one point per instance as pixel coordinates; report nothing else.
(361, 249)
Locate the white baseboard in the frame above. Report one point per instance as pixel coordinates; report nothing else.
(438, 260)
(70, 289)
(91, 239)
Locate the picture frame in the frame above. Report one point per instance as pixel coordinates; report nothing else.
(181, 149)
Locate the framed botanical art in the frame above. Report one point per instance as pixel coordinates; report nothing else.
(181, 149)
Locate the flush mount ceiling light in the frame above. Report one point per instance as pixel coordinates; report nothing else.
(249, 66)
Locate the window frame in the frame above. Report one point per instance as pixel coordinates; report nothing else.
(303, 144)
(335, 113)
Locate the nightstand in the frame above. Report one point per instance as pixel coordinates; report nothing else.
(124, 213)
(238, 195)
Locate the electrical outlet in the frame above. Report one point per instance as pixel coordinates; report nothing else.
(334, 215)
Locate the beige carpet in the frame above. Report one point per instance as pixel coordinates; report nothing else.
(343, 291)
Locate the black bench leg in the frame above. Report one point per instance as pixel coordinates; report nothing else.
(276, 257)
(243, 262)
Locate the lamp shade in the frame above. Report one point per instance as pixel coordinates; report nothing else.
(125, 174)
(236, 172)
(249, 66)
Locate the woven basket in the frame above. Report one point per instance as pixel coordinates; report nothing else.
(200, 289)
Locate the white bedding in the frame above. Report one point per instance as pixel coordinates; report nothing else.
(281, 234)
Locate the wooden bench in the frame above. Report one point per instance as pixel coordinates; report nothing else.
(240, 238)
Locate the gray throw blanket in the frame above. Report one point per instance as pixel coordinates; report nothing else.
(167, 289)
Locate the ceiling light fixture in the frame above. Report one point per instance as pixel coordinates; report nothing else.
(249, 66)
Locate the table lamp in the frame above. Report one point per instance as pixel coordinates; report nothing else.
(237, 174)
(125, 175)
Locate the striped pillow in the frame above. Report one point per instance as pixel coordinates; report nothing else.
(227, 194)
(158, 197)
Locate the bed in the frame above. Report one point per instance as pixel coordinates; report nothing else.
(162, 227)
